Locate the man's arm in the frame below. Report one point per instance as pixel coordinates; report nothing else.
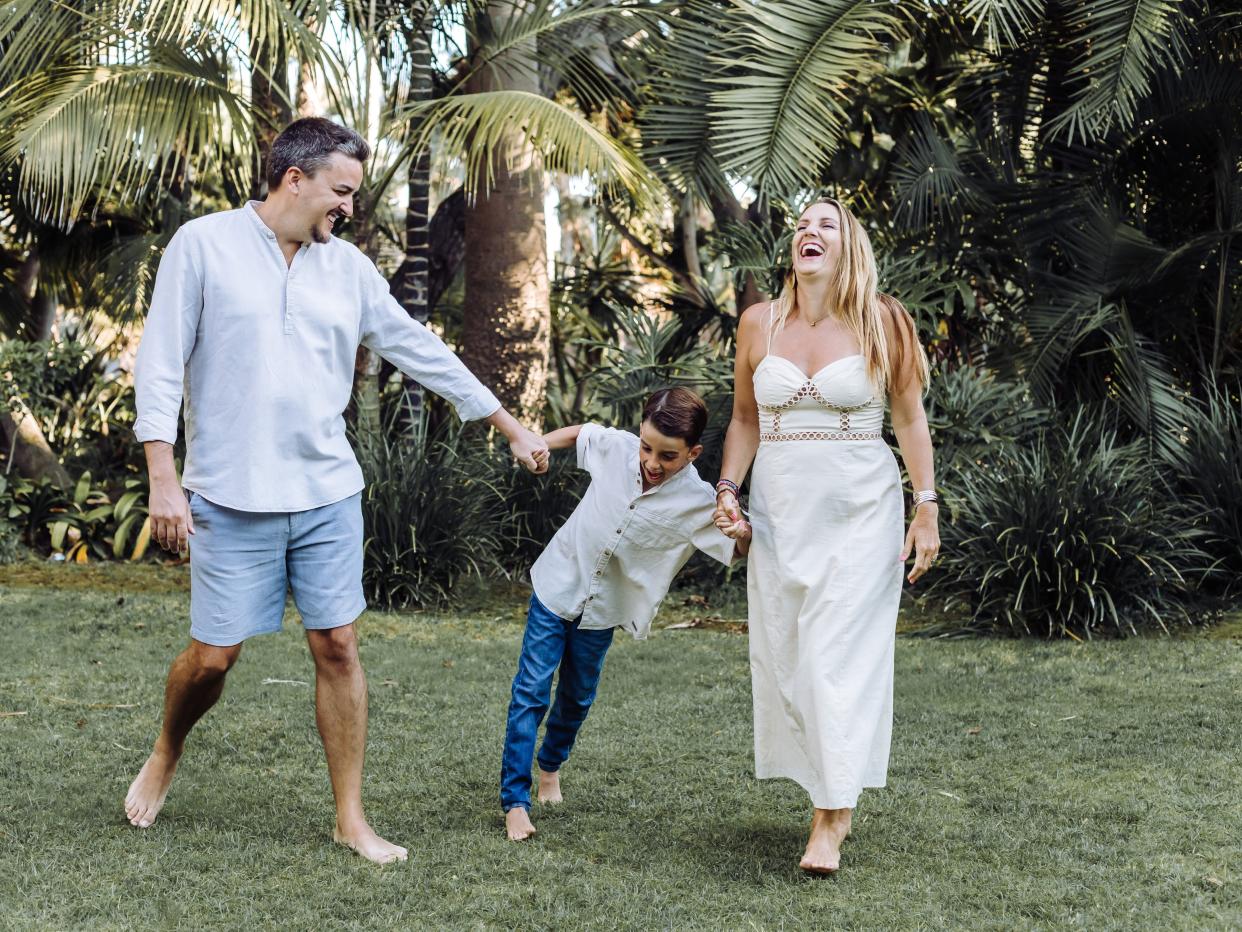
(171, 522)
(528, 448)
(159, 375)
(390, 331)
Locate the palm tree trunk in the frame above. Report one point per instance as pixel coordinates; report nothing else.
(506, 320)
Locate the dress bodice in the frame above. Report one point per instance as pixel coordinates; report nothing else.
(838, 402)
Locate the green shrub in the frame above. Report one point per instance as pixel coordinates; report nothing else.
(1213, 474)
(81, 524)
(431, 513)
(534, 506)
(10, 537)
(975, 417)
(1070, 535)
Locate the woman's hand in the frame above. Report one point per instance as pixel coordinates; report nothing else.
(923, 538)
(728, 514)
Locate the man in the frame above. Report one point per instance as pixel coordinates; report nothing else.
(256, 318)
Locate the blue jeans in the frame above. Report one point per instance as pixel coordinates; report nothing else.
(550, 642)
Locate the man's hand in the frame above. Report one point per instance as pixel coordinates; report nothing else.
(530, 450)
(171, 523)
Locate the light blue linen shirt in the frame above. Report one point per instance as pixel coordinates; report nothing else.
(263, 357)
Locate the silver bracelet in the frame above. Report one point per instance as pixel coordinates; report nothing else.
(927, 495)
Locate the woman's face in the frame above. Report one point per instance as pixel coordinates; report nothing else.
(817, 240)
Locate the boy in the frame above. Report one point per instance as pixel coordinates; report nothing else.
(643, 515)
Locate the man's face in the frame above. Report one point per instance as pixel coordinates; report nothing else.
(327, 196)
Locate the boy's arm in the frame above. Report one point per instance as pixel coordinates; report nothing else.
(741, 545)
(563, 437)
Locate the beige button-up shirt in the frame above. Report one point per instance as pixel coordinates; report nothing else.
(614, 559)
(263, 356)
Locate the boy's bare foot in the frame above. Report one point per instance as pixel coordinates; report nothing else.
(362, 839)
(518, 825)
(829, 827)
(146, 794)
(550, 787)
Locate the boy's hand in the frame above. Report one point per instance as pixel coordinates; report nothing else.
(738, 530)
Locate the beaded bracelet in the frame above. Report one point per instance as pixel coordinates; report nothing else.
(727, 485)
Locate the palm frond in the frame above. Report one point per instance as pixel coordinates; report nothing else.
(262, 23)
(80, 128)
(780, 115)
(1007, 21)
(1122, 45)
(480, 126)
(676, 126)
(570, 40)
(929, 183)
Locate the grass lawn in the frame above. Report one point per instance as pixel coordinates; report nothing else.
(1031, 786)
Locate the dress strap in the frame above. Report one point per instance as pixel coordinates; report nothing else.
(771, 324)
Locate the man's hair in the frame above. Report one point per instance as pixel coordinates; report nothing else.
(677, 412)
(308, 144)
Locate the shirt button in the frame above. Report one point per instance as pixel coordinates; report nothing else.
(598, 572)
(618, 530)
(632, 506)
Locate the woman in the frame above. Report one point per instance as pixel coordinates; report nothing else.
(812, 372)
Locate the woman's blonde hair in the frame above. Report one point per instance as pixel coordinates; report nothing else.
(855, 298)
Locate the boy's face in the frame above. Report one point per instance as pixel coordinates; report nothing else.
(661, 457)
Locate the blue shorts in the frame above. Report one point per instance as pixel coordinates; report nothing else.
(242, 563)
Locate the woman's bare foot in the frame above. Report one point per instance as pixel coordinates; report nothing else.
(829, 827)
(146, 794)
(518, 825)
(550, 787)
(362, 839)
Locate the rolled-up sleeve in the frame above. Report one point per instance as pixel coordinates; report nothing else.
(167, 340)
(713, 542)
(390, 331)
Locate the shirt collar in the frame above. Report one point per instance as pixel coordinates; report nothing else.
(252, 211)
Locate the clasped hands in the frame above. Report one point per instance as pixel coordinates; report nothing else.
(728, 517)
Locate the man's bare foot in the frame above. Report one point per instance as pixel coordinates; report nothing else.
(518, 825)
(829, 827)
(550, 787)
(363, 840)
(146, 794)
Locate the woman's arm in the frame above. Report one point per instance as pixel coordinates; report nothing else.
(742, 438)
(914, 438)
(563, 437)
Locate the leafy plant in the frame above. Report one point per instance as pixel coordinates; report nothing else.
(1213, 473)
(85, 523)
(646, 358)
(9, 537)
(1071, 535)
(431, 513)
(534, 506)
(974, 416)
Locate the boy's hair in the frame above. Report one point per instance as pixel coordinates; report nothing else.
(677, 412)
(308, 144)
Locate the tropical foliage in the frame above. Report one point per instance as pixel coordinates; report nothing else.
(1054, 191)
